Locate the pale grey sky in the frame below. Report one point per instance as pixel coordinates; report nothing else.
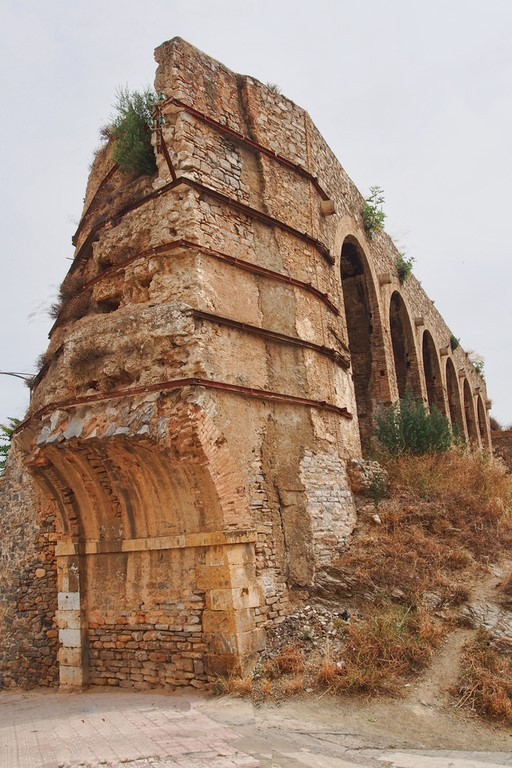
(412, 96)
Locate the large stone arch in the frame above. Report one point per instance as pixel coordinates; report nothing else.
(469, 413)
(156, 547)
(365, 336)
(432, 373)
(404, 349)
(454, 401)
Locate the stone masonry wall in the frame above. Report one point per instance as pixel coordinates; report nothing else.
(161, 644)
(28, 582)
(227, 334)
(330, 503)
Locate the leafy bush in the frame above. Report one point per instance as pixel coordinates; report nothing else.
(372, 213)
(130, 128)
(454, 342)
(478, 365)
(404, 267)
(408, 427)
(6, 431)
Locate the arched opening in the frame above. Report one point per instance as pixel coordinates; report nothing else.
(454, 403)
(404, 351)
(364, 337)
(469, 412)
(138, 523)
(482, 422)
(432, 373)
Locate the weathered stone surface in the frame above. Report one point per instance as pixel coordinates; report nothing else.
(224, 344)
(496, 620)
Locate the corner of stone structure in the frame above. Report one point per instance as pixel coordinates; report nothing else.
(222, 348)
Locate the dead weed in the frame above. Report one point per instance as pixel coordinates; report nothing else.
(485, 681)
(447, 514)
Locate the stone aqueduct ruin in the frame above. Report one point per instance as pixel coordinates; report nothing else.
(227, 333)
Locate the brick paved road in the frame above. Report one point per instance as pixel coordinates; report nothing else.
(101, 728)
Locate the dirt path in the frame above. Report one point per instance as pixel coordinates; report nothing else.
(427, 717)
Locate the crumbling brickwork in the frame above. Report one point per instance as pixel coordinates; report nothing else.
(227, 335)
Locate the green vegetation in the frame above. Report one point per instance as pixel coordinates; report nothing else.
(372, 213)
(6, 431)
(130, 129)
(404, 267)
(454, 342)
(408, 427)
(478, 365)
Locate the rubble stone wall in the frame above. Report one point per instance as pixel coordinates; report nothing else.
(28, 582)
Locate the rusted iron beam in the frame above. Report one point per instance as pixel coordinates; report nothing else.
(241, 137)
(248, 266)
(250, 212)
(91, 204)
(254, 213)
(163, 386)
(333, 354)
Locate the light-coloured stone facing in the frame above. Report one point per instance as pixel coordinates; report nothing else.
(329, 502)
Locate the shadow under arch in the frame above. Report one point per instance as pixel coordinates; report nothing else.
(482, 422)
(365, 337)
(432, 372)
(454, 402)
(404, 350)
(469, 413)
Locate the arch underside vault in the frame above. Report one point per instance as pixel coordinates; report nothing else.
(404, 351)
(469, 412)
(454, 401)
(365, 337)
(155, 558)
(432, 371)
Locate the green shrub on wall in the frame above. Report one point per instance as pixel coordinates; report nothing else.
(454, 342)
(372, 213)
(6, 431)
(133, 151)
(404, 267)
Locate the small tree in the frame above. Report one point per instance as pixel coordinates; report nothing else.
(130, 129)
(6, 431)
(372, 213)
(408, 427)
(404, 267)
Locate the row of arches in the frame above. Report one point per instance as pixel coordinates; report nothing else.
(418, 366)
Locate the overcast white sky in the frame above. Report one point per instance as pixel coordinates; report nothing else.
(412, 96)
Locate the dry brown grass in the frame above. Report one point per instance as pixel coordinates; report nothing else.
(447, 514)
(446, 518)
(294, 685)
(472, 490)
(506, 585)
(290, 659)
(485, 682)
(385, 649)
(373, 656)
(266, 688)
(235, 685)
